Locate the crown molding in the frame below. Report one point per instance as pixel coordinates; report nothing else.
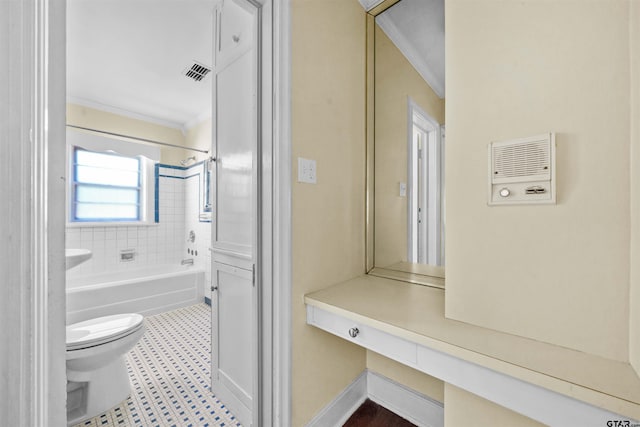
(369, 4)
(403, 44)
(126, 113)
(205, 115)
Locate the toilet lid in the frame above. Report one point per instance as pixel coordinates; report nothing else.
(102, 330)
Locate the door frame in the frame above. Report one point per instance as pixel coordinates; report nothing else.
(34, 298)
(431, 153)
(278, 277)
(42, 312)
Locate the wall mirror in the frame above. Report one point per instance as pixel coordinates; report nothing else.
(405, 141)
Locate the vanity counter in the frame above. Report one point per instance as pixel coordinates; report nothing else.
(393, 317)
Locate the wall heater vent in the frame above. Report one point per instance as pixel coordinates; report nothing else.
(522, 170)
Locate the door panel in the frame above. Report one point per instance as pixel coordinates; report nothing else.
(234, 30)
(235, 145)
(235, 142)
(235, 344)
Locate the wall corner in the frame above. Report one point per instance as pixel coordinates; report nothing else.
(634, 276)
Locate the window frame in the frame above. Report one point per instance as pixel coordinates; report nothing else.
(75, 184)
(146, 180)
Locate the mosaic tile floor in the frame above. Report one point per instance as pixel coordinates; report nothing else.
(170, 375)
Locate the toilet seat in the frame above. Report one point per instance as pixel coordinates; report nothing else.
(102, 330)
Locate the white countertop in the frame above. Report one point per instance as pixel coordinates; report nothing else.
(416, 313)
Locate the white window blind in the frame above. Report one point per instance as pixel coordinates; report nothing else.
(106, 187)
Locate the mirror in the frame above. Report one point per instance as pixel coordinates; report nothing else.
(406, 150)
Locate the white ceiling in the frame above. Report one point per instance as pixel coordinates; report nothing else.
(417, 28)
(129, 56)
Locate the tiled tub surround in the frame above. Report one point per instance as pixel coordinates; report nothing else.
(170, 375)
(179, 204)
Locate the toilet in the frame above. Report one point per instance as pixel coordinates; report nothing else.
(97, 377)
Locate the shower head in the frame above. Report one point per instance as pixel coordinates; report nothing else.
(187, 160)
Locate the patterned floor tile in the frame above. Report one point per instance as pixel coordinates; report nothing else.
(170, 373)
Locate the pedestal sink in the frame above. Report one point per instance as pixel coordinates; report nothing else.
(76, 256)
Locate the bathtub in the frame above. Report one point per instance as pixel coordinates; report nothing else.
(145, 291)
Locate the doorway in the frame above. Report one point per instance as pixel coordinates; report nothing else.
(45, 42)
(425, 148)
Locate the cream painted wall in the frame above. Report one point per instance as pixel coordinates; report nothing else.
(416, 380)
(199, 136)
(558, 274)
(395, 80)
(634, 297)
(328, 123)
(96, 119)
(465, 409)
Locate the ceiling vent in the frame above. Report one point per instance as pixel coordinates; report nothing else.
(197, 72)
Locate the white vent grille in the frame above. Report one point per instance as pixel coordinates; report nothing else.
(196, 72)
(520, 160)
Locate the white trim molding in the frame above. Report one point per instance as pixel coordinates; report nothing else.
(125, 113)
(338, 411)
(32, 300)
(411, 405)
(281, 273)
(18, 373)
(49, 134)
(369, 4)
(403, 401)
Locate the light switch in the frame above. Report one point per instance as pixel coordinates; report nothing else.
(403, 189)
(306, 170)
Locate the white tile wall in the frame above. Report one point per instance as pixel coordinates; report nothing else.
(155, 244)
(202, 230)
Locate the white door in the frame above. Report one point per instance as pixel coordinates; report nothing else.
(235, 144)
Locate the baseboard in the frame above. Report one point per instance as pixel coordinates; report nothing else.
(407, 403)
(340, 409)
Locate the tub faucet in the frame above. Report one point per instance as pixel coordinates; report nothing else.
(188, 261)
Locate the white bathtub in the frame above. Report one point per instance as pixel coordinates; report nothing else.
(147, 291)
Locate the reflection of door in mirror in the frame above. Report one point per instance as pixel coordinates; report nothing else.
(408, 114)
(425, 185)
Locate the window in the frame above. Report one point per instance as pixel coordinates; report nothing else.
(110, 180)
(106, 187)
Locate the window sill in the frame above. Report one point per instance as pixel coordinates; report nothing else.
(111, 224)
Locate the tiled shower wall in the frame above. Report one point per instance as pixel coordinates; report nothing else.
(194, 196)
(179, 207)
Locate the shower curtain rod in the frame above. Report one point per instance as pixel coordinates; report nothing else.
(166, 144)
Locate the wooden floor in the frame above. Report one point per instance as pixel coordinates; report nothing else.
(370, 414)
